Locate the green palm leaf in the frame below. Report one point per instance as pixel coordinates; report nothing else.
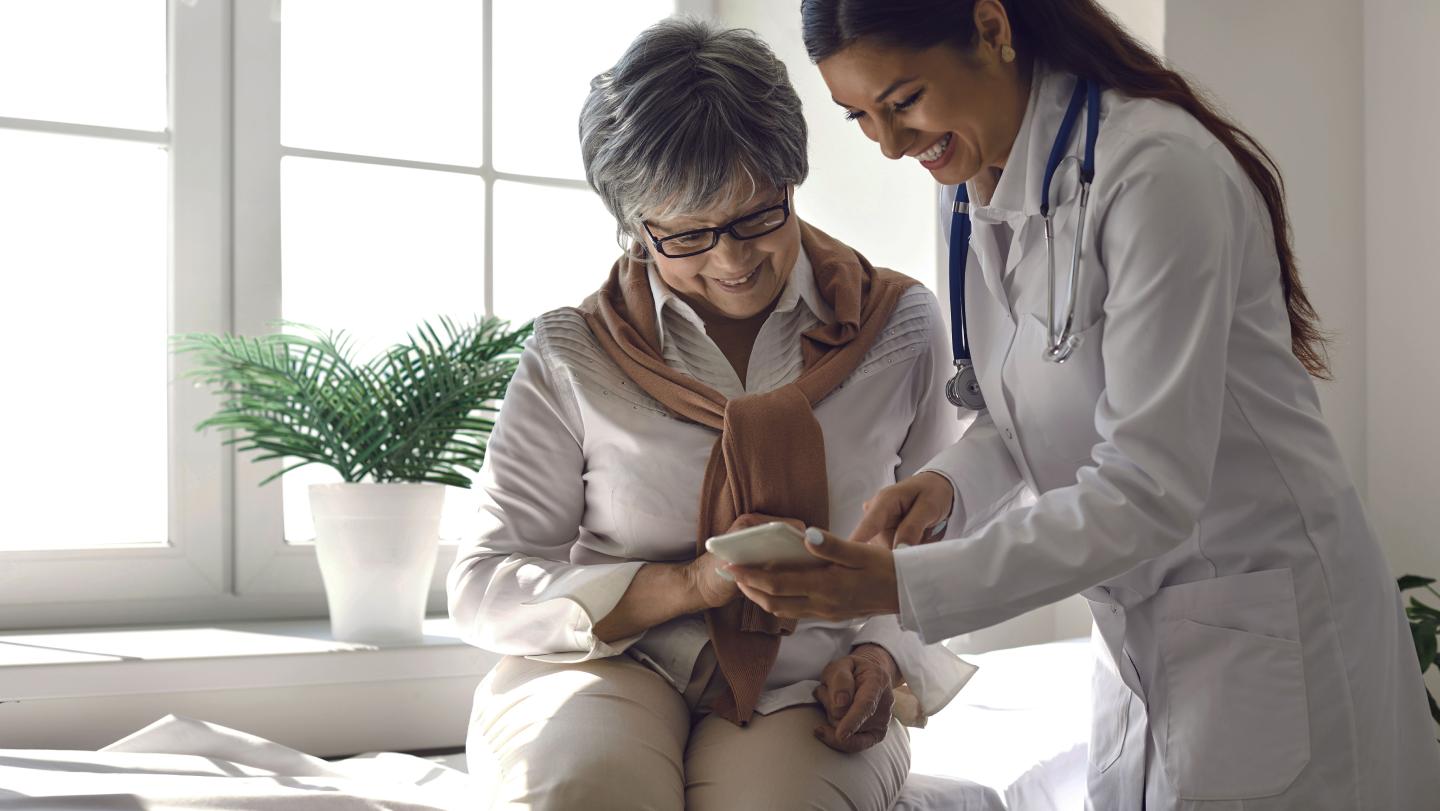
(420, 411)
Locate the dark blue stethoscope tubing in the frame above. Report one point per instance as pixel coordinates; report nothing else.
(1086, 92)
(959, 247)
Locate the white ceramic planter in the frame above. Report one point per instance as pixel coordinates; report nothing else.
(377, 544)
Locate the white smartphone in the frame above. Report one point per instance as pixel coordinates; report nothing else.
(774, 544)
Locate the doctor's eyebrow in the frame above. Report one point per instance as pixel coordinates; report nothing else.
(891, 89)
(887, 91)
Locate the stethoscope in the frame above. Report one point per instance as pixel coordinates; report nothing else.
(963, 390)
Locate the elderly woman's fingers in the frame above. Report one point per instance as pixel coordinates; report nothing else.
(873, 696)
(866, 700)
(837, 682)
(826, 734)
(749, 520)
(826, 700)
(858, 742)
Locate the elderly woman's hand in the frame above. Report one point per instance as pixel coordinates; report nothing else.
(858, 580)
(857, 693)
(714, 585)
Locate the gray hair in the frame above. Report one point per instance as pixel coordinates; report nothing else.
(688, 111)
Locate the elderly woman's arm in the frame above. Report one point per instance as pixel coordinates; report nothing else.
(661, 592)
(513, 589)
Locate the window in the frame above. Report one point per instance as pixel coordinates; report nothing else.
(356, 164)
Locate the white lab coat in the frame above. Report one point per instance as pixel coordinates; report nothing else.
(1253, 648)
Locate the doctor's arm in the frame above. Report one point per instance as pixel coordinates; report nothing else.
(1168, 241)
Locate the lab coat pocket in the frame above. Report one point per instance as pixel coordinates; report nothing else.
(1236, 723)
(1110, 715)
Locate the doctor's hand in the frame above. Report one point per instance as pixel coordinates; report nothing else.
(709, 581)
(856, 580)
(857, 694)
(909, 512)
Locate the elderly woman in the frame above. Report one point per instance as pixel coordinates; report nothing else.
(738, 366)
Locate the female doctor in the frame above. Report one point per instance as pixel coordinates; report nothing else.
(1134, 336)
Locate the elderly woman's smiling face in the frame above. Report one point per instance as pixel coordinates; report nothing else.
(738, 278)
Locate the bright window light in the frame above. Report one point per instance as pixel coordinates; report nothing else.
(553, 247)
(84, 321)
(96, 62)
(377, 77)
(539, 90)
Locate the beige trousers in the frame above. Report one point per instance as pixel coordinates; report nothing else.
(612, 734)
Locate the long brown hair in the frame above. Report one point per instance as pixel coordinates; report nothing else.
(1079, 37)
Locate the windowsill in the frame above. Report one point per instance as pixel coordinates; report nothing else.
(219, 656)
(284, 680)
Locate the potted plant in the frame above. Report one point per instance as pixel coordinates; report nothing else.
(1424, 629)
(397, 429)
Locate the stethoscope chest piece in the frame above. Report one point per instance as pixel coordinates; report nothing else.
(963, 390)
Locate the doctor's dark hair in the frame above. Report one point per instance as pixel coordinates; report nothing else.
(1079, 37)
(693, 116)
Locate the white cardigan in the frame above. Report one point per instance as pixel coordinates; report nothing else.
(586, 478)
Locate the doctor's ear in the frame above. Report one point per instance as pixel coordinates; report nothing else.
(993, 35)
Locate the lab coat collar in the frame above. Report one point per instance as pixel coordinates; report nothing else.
(1018, 194)
(799, 287)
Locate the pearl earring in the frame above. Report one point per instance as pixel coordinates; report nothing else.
(1007, 54)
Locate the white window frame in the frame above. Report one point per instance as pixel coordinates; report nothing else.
(226, 556)
(70, 586)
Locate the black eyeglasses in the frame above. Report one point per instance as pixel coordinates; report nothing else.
(751, 226)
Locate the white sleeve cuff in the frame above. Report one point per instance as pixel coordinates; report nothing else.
(934, 673)
(589, 593)
(916, 570)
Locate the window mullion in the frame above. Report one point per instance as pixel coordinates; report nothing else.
(258, 524)
(199, 88)
(487, 136)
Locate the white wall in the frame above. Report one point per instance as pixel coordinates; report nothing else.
(1290, 73)
(1402, 207)
(1144, 18)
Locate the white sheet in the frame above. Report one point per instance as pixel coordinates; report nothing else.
(1017, 731)
(178, 764)
(1021, 726)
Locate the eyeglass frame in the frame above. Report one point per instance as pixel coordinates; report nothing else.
(720, 230)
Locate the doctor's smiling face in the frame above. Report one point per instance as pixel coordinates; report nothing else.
(955, 110)
(737, 278)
